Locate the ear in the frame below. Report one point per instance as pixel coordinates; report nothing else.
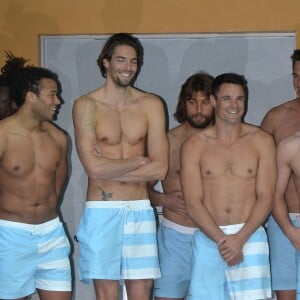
(30, 97)
(212, 100)
(105, 62)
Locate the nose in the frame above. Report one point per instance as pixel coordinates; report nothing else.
(199, 107)
(57, 100)
(233, 103)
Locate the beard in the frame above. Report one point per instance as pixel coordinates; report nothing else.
(124, 82)
(206, 120)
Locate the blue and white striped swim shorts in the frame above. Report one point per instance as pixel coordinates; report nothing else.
(213, 279)
(118, 241)
(33, 256)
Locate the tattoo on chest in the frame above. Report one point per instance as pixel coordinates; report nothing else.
(104, 195)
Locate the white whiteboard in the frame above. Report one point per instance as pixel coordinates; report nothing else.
(264, 59)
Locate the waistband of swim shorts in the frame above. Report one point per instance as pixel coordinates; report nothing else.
(231, 229)
(294, 216)
(177, 227)
(143, 203)
(41, 228)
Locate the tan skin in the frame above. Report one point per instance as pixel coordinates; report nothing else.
(113, 125)
(174, 207)
(33, 157)
(228, 174)
(283, 121)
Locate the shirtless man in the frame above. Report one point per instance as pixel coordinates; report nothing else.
(34, 248)
(282, 121)
(195, 112)
(228, 174)
(5, 101)
(7, 107)
(117, 232)
(288, 167)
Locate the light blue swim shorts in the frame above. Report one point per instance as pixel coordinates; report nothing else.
(118, 241)
(212, 279)
(33, 256)
(175, 252)
(283, 256)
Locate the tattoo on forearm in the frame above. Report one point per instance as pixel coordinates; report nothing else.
(104, 195)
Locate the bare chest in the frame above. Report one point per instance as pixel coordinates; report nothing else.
(116, 127)
(239, 162)
(25, 155)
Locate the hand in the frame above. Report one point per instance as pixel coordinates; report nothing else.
(231, 249)
(96, 150)
(294, 237)
(141, 160)
(175, 203)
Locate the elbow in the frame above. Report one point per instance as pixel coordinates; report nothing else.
(162, 172)
(92, 174)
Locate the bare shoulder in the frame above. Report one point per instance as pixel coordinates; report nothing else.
(177, 136)
(176, 132)
(282, 109)
(291, 142)
(3, 135)
(256, 133)
(86, 102)
(145, 99)
(200, 138)
(56, 133)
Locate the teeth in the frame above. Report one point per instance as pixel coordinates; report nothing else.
(125, 74)
(53, 108)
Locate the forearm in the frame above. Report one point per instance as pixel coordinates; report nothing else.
(148, 172)
(156, 198)
(110, 169)
(205, 222)
(258, 216)
(281, 215)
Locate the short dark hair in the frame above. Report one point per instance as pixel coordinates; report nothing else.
(24, 78)
(200, 81)
(230, 78)
(119, 39)
(295, 56)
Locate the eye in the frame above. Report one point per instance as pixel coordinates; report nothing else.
(120, 59)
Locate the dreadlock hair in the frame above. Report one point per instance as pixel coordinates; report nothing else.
(24, 78)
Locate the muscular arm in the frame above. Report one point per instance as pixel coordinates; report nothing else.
(192, 188)
(265, 185)
(62, 170)
(97, 166)
(287, 150)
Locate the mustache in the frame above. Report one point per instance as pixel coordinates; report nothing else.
(199, 115)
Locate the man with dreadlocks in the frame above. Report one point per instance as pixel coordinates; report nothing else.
(7, 106)
(34, 248)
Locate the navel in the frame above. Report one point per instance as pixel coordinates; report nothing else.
(16, 168)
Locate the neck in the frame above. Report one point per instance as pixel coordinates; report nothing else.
(116, 94)
(28, 120)
(228, 132)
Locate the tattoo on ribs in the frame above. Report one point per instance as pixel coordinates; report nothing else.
(104, 195)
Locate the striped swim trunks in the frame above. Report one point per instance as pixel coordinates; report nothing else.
(117, 241)
(33, 256)
(213, 279)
